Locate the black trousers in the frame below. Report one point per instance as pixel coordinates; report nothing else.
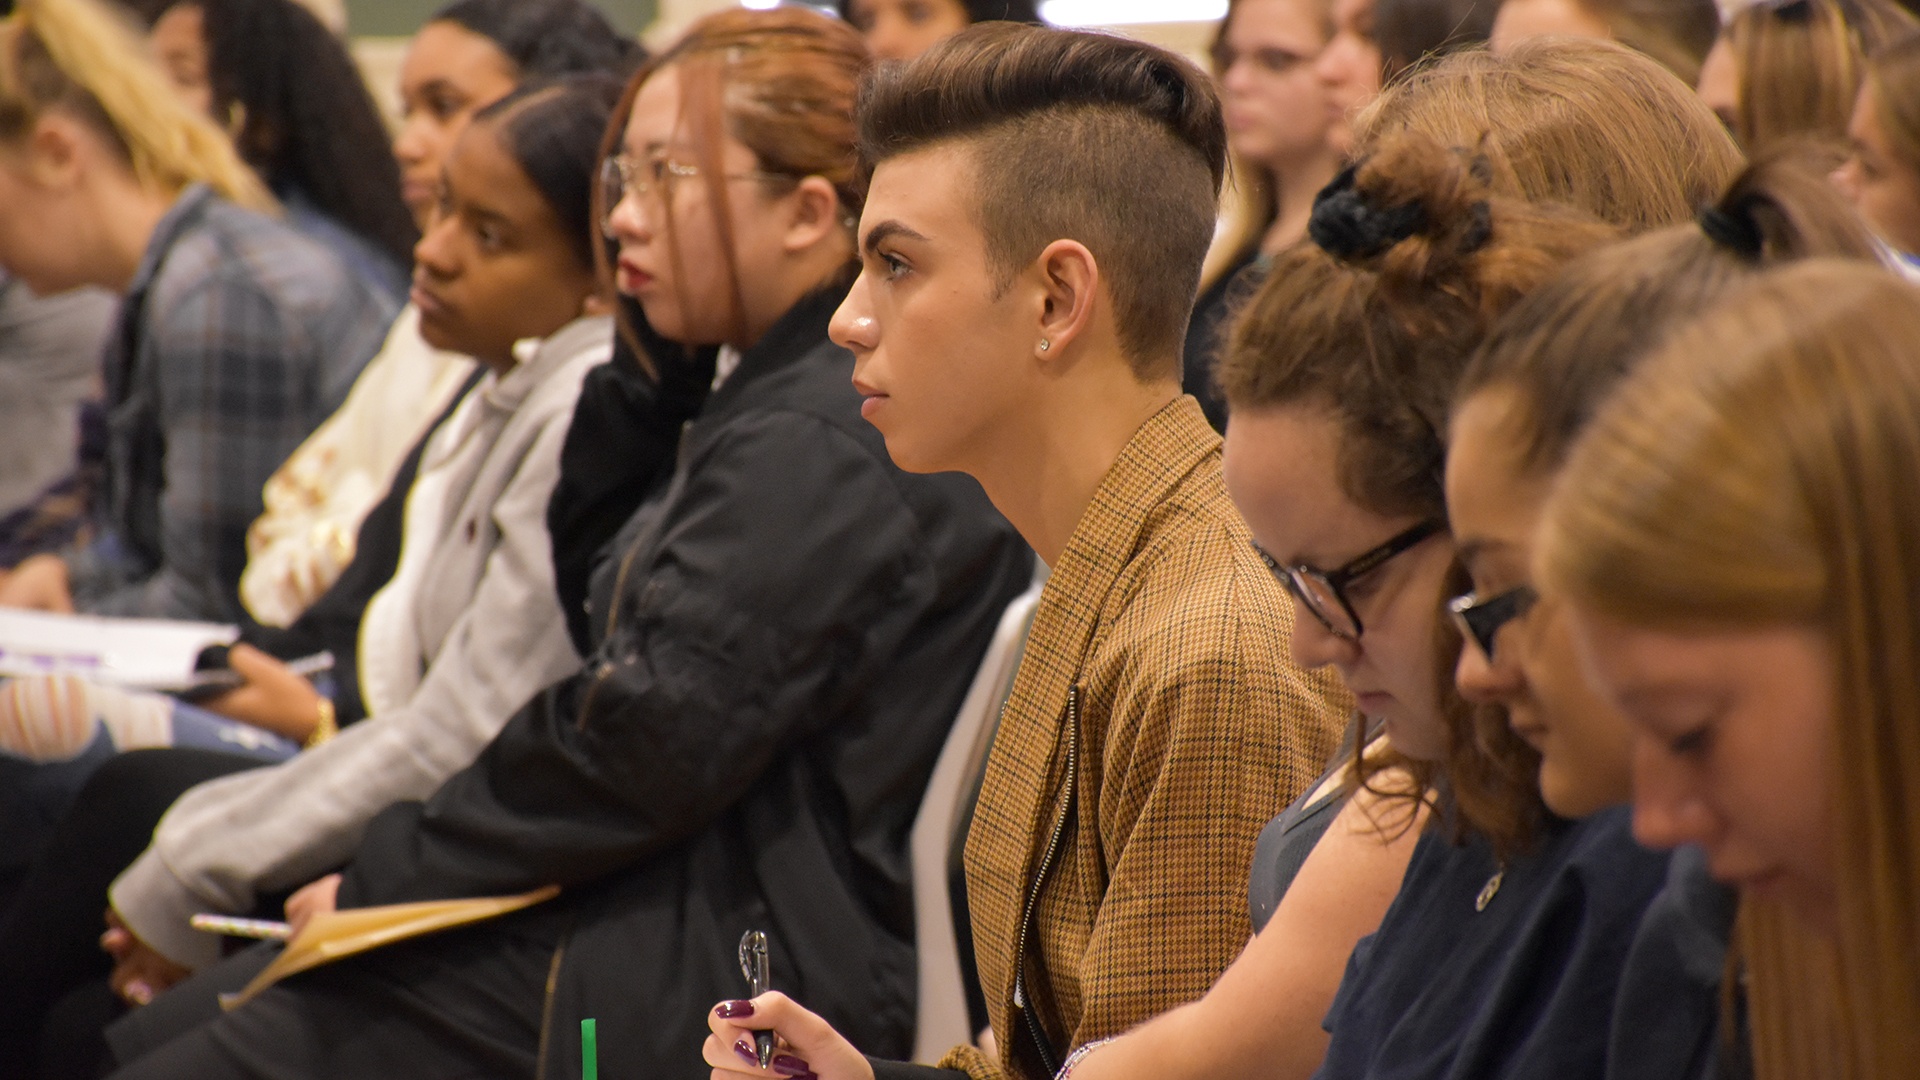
(50, 934)
(462, 1005)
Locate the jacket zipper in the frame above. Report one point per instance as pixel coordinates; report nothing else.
(546, 1008)
(1060, 819)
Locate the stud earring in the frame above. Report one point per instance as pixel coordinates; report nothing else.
(1045, 344)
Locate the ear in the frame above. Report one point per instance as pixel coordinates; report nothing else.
(1069, 279)
(54, 151)
(815, 213)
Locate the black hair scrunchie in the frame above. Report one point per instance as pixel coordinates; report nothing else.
(1736, 233)
(1347, 226)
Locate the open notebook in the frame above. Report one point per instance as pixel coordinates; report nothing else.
(340, 934)
(138, 654)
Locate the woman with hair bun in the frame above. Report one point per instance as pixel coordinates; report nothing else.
(903, 29)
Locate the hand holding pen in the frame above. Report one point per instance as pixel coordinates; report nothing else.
(808, 1048)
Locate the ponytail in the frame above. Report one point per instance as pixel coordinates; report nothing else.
(1565, 347)
(75, 56)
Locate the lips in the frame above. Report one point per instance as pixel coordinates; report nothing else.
(429, 302)
(632, 278)
(873, 399)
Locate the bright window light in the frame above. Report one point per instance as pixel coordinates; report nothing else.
(760, 5)
(1127, 12)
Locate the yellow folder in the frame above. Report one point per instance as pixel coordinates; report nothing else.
(338, 934)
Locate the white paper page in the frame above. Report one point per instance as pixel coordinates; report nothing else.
(150, 654)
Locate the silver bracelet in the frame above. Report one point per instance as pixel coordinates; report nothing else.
(1079, 1055)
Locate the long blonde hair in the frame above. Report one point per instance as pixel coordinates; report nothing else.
(1590, 124)
(1759, 469)
(76, 57)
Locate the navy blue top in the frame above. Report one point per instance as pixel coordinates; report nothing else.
(1524, 988)
(1667, 1016)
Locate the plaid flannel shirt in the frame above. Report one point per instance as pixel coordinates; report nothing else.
(236, 338)
(1169, 636)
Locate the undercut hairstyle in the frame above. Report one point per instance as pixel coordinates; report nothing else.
(552, 130)
(1111, 142)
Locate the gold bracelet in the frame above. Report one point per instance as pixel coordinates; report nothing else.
(326, 726)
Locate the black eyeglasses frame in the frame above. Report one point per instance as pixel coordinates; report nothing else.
(1298, 578)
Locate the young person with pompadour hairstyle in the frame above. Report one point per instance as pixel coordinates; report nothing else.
(1041, 202)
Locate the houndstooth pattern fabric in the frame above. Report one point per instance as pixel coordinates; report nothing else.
(1195, 729)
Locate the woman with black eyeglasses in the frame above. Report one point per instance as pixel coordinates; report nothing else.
(1522, 405)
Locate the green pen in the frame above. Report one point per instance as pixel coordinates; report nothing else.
(589, 1052)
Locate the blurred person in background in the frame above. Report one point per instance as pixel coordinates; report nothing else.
(1791, 69)
(1281, 132)
(1677, 33)
(50, 421)
(287, 91)
(903, 29)
(1882, 170)
(236, 334)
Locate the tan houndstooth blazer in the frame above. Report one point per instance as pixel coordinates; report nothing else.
(1164, 634)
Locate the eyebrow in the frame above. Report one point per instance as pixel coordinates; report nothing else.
(888, 230)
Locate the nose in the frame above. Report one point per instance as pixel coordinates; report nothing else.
(852, 326)
(1234, 79)
(434, 253)
(408, 144)
(1846, 179)
(627, 220)
(1312, 645)
(1330, 67)
(1484, 681)
(1666, 811)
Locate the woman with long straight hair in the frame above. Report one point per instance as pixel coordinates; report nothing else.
(1733, 537)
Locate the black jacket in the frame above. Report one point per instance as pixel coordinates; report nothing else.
(781, 648)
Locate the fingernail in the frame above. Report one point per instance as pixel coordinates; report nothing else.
(788, 1065)
(733, 1010)
(139, 993)
(745, 1050)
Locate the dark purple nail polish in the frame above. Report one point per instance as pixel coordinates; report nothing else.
(788, 1065)
(745, 1050)
(733, 1010)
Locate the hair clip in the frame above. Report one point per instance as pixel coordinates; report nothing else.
(1347, 226)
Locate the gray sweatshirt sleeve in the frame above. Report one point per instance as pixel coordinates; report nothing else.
(229, 839)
